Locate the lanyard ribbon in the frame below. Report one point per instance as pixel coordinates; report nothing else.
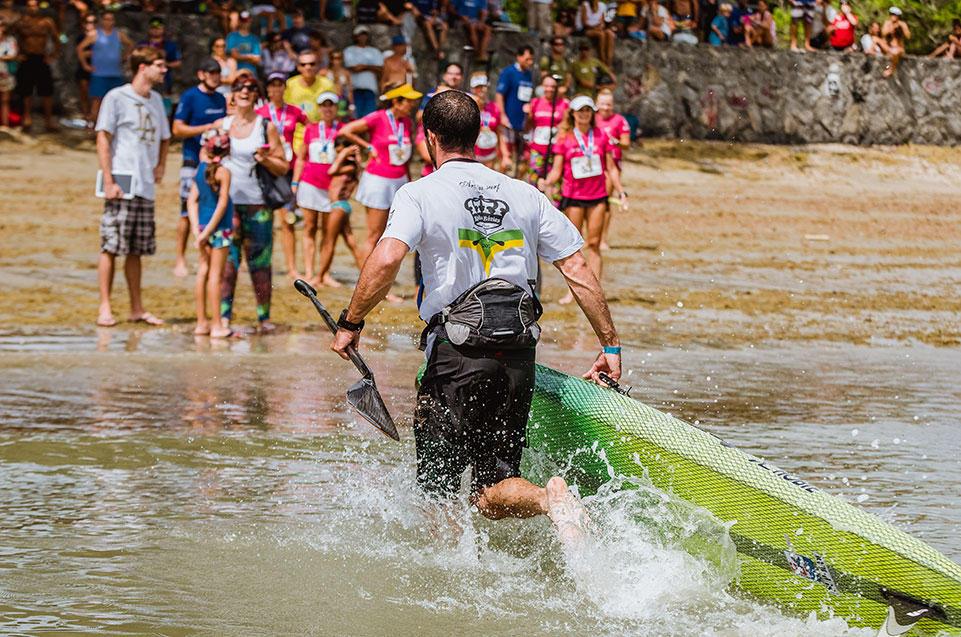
(322, 133)
(279, 123)
(486, 118)
(397, 129)
(589, 149)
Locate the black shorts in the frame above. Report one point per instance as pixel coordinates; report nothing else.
(471, 411)
(567, 202)
(34, 74)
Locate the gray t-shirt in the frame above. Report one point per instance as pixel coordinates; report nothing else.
(469, 223)
(367, 56)
(137, 126)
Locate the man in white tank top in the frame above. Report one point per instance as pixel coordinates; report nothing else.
(472, 224)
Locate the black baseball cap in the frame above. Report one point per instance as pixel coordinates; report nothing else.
(209, 65)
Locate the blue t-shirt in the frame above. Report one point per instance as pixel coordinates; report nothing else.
(207, 202)
(197, 108)
(171, 54)
(736, 19)
(469, 8)
(425, 6)
(722, 25)
(517, 87)
(244, 45)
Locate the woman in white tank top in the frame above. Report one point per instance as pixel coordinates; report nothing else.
(252, 140)
(595, 27)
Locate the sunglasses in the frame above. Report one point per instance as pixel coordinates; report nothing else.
(306, 64)
(252, 88)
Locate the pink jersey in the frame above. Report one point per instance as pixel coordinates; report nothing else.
(392, 140)
(541, 119)
(285, 120)
(614, 127)
(486, 148)
(319, 143)
(428, 167)
(584, 176)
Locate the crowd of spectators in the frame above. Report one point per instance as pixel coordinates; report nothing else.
(267, 38)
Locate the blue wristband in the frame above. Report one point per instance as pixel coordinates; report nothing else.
(612, 350)
(295, 183)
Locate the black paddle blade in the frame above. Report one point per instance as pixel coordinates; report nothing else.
(366, 401)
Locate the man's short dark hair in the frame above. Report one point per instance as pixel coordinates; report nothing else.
(450, 64)
(454, 119)
(525, 48)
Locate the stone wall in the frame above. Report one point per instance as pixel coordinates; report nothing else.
(699, 92)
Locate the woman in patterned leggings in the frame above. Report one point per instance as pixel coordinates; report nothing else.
(252, 140)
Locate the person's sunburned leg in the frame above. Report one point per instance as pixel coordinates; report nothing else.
(288, 241)
(310, 244)
(332, 223)
(595, 225)
(896, 54)
(794, 35)
(576, 215)
(376, 224)
(27, 117)
(105, 269)
(518, 498)
(218, 259)
(183, 233)
(48, 113)
(132, 273)
(200, 290)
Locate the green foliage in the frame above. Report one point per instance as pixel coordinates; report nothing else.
(517, 10)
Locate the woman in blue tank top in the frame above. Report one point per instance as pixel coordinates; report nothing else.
(211, 214)
(107, 49)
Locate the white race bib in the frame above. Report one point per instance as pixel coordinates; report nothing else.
(487, 139)
(399, 155)
(542, 135)
(288, 151)
(320, 152)
(584, 167)
(524, 93)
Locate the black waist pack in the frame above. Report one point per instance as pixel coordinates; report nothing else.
(494, 314)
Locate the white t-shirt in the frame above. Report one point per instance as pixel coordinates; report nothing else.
(137, 125)
(363, 55)
(868, 45)
(470, 223)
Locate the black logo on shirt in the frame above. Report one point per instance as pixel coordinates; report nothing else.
(488, 214)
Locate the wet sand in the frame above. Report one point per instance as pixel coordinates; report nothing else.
(725, 245)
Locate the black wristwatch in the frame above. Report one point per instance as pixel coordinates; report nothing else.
(344, 324)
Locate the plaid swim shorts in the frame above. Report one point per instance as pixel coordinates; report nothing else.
(127, 226)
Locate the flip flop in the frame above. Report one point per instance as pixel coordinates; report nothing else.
(148, 318)
(230, 334)
(106, 322)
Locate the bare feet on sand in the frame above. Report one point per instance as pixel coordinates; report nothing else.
(567, 299)
(146, 317)
(331, 282)
(180, 269)
(566, 513)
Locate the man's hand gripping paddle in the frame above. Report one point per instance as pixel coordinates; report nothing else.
(363, 395)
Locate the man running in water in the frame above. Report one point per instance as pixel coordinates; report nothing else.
(480, 231)
(34, 72)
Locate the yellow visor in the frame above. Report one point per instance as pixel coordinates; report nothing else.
(405, 90)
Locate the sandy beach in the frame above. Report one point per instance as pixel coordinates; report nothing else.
(725, 244)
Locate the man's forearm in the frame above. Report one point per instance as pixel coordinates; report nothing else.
(587, 291)
(103, 155)
(378, 274)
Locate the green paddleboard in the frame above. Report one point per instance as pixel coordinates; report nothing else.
(799, 547)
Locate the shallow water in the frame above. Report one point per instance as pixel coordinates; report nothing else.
(157, 485)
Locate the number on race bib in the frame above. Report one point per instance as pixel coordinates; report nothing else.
(584, 167)
(524, 93)
(321, 153)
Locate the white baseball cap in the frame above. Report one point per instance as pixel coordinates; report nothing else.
(895, 11)
(479, 80)
(328, 96)
(581, 101)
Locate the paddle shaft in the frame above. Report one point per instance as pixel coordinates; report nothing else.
(332, 324)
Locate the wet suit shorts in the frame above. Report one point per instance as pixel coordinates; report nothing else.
(471, 410)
